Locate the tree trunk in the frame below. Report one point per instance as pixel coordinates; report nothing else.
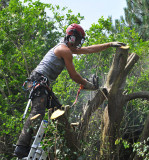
(113, 113)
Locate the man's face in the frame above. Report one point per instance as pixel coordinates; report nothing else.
(79, 42)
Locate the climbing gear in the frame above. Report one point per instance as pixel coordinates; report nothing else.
(26, 109)
(79, 90)
(38, 84)
(33, 86)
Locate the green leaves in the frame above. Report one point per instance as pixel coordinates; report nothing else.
(136, 15)
(26, 34)
(141, 148)
(125, 143)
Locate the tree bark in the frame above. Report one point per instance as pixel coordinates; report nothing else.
(113, 113)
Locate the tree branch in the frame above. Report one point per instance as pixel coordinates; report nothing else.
(144, 94)
(132, 59)
(91, 107)
(115, 77)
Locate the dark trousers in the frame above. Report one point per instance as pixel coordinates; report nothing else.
(41, 100)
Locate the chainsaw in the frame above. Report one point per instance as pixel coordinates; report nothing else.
(94, 80)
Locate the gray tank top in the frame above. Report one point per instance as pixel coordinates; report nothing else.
(51, 66)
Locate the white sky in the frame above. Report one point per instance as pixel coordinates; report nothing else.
(92, 10)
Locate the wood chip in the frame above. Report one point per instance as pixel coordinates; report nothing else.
(124, 47)
(57, 114)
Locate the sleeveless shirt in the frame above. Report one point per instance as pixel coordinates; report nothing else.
(51, 66)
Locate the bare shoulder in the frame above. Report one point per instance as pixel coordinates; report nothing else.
(62, 51)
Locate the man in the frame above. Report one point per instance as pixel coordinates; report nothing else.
(48, 70)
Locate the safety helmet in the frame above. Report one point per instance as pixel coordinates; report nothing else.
(75, 29)
(75, 33)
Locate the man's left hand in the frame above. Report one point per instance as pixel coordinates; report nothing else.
(117, 44)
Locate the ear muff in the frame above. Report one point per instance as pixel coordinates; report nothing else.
(72, 39)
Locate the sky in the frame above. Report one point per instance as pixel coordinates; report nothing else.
(92, 10)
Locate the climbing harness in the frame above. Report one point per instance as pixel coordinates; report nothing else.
(32, 87)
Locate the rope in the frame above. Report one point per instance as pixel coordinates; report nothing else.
(79, 90)
(77, 96)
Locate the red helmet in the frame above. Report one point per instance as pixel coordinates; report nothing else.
(76, 30)
(75, 35)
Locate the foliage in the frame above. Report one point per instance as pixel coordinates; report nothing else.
(26, 34)
(4, 3)
(55, 141)
(136, 14)
(142, 149)
(124, 142)
(136, 111)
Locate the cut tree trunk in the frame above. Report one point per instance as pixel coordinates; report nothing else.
(113, 113)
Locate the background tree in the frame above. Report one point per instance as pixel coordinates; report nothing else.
(26, 34)
(125, 34)
(137, 16)
(3, 4)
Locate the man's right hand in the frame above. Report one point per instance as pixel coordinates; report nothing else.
(89, 86)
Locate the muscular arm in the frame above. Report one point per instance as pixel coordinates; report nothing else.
(65, 53)
(92, 49)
